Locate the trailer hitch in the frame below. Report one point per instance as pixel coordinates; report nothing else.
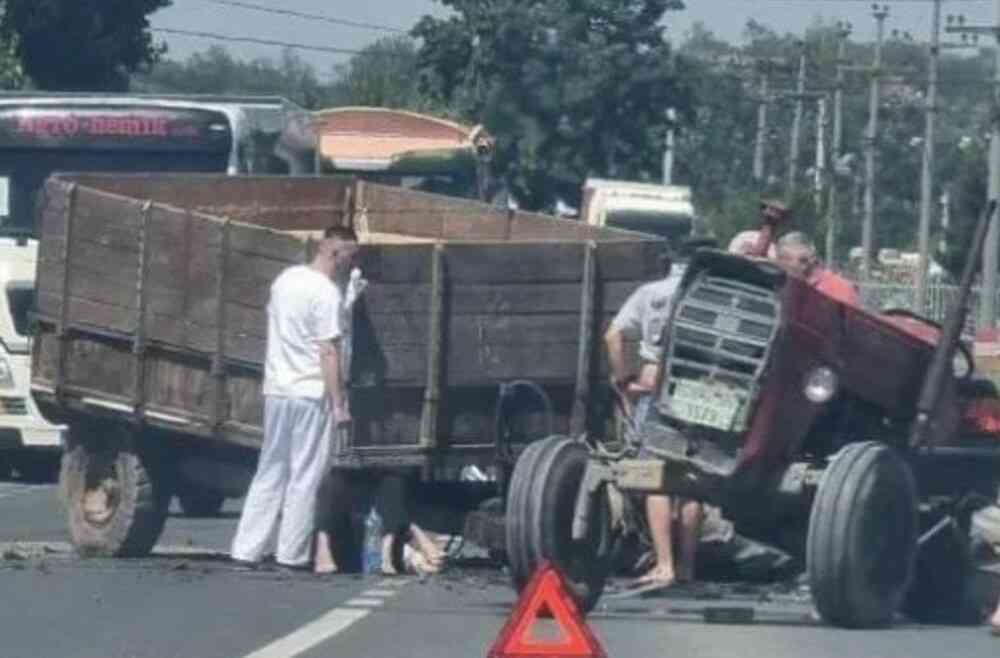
(939, 369)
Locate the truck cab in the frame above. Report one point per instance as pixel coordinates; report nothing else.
(662, 210)
(29, 440)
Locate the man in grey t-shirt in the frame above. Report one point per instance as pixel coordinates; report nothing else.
(644, 317)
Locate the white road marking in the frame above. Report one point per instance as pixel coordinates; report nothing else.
(363, 602)
(336, 621)
(380, 592)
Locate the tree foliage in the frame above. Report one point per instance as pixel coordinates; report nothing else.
(570, 88)
(81, 45)
(383, 74)
(216, 71)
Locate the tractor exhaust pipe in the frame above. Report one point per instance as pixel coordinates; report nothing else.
(940, 367)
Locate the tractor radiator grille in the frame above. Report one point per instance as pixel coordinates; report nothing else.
(720, 337)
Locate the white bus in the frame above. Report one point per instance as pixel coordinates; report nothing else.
(41, 134)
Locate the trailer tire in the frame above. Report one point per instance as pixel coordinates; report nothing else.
(540, 512)
(199, 503)
(862, 538)
(115, 505)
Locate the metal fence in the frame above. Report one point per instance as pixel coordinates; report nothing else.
(880, 296)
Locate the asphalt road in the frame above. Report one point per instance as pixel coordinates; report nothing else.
(186, 601)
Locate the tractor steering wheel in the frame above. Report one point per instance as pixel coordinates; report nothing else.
(963, 371)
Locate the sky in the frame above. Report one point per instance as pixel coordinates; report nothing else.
(724, 17)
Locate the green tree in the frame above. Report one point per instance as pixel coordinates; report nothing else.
(216, 71)
(570, 88)
(81, 45)
(384, 74)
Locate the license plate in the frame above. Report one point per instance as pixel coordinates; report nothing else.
(711, 405)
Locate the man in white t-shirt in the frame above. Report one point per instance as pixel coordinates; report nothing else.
(643, 317)
(305, 370)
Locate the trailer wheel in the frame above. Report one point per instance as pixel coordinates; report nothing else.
(200, 503)
(862, 537)
(540, 510)
(115, 506)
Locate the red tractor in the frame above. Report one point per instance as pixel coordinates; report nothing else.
(862, 443)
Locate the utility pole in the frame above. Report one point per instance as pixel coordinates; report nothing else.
(927, 167)
(668, 153)
(987, 299)
(820, 171)
(793, 157)
(867, 229)
(761, 139)
(833, 209)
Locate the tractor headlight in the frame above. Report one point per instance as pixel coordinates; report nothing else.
(820, 385)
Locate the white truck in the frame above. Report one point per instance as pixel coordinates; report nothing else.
(41, 134)
(662, 210)
(29, 443)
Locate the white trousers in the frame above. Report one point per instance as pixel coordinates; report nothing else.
(282, 497)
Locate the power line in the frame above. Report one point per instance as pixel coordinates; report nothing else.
(300, 14)
(265, 42)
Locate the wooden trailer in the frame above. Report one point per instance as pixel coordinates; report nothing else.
(151, 330)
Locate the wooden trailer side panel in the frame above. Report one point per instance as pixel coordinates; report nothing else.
(159, 312)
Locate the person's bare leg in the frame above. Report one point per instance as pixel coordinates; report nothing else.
(426, 545)
(995, 621)
(324, 562)
(658, 513)
(692, 515)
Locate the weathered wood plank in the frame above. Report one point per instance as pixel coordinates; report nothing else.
(513, 298)
(178, 383)
(100, 366)
(83, 311)
(247, 240)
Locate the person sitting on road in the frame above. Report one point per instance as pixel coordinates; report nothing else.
(797, 253)
(405, 546)
(643, 317)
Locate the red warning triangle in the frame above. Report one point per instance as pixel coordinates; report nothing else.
(546, 593)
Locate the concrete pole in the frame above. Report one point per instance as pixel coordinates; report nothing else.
(868, 227)
(927, 170)
(833, 210)
(820, 155)
(987, 306)
(668, 152)
(761, 139)
(793, 156)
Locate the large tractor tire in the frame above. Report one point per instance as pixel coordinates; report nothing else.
(862, 538)
(116, 507)
(540, 508)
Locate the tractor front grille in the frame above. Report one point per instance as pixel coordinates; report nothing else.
(721, 335)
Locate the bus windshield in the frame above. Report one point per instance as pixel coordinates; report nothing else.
(42, 135)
